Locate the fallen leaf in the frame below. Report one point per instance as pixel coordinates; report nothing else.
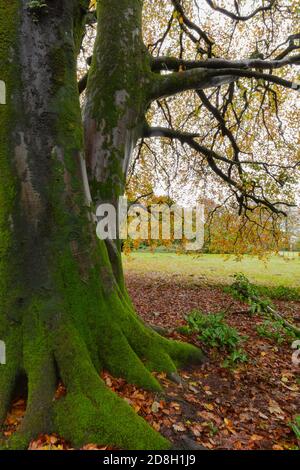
(277, 447)
(155, 407)
(256, 437)
(208, 406)
(179, 427)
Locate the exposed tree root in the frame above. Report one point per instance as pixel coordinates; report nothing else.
(90, 412)
(7, 382)
(9, 374)
(41, 390)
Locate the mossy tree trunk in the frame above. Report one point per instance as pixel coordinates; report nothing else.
(64, 311)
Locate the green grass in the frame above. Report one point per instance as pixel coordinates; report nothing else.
(216, 269)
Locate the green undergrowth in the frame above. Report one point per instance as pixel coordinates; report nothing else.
(243, 289)
(276, 331)
(279, 292)
(295, 426)
(214, 332)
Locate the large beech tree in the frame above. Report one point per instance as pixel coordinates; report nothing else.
(64, 310)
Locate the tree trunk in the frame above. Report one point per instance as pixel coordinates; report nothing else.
(64, 311)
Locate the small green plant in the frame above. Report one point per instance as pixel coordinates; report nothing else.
(213, 330)
(259, 306)
(213, 429)
(295, 427)
(242, 289)
(237, 356)
(276, 331)
(216, 333)
(185, 330)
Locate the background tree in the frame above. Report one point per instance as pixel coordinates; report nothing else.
(65, 313)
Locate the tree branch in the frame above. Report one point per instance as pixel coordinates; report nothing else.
(177, 82)
(191, 25)
(211, 157)
(175, 64)
(238, 17)
(292, 40)
(222, 123)
(83, 83)
(200, 78)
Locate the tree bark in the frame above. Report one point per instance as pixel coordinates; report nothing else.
(64, 310)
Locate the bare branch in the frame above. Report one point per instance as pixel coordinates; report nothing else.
(211, 156)
(218, 116)
(238, 17)
(83, 83)
(191, 25)
(174, 64)
(158, 44)
(201, 78)
(293, 45)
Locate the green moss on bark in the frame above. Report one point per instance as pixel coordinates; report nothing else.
(9, 20)
(78, 320)
(115, 108)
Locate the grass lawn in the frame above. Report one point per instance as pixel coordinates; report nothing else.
(216, 269)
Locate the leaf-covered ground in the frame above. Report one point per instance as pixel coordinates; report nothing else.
(246, 408)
